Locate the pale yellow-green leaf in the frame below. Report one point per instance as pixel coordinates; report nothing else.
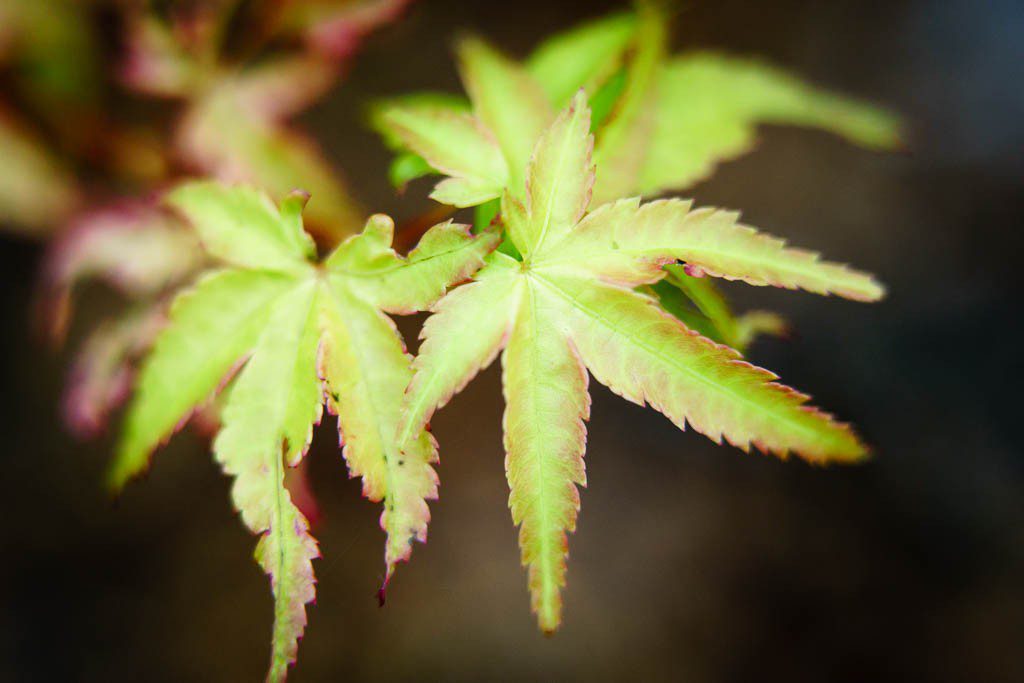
(366, 370)
(241, 226)
(467, 330)
(660, 123)
(546, 402)
(507, 100)
(708, 107)
(644, 355)
(465, 192)
(446, 254)
(454, 143)
(626, 243)
(267, 423)
(569, 305)
(560, 178)
(297, 326)
(212, 328)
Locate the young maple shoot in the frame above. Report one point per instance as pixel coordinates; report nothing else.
(302, 333)
(570, 305)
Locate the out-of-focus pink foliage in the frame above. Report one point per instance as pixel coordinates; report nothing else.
(231, 117)
(139, 250)
(335, 29)
(134, 247)
(233, 122)
(103, 369)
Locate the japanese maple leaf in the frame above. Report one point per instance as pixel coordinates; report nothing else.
(483, 151)
(296, 331)
(662, 122)
(570, 306)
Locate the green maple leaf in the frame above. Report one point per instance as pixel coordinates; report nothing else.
(483, 150)
(664, 123)
(296, 331)
(706, 107)
(571, 305)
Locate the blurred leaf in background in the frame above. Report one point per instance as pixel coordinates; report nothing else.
(238, 94)
(233, 73)
(54, 61)
(49, 58)
(36, 190)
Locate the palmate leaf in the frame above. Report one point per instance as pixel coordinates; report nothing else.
(483, 151)
(665, 122)
(571, 304)
(295, 331)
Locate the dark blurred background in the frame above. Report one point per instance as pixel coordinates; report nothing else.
(691, 562)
